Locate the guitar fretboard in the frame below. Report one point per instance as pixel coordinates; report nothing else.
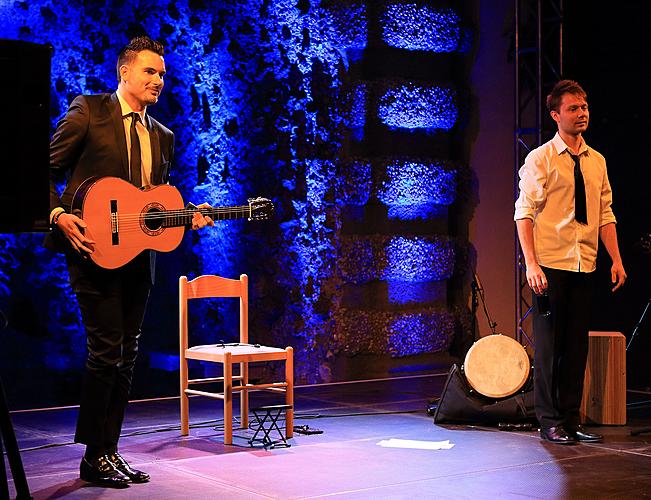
(176, 218)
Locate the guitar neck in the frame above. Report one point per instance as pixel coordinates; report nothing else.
(183, 217)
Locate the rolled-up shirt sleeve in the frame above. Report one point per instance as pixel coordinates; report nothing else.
(532, 186)
(606, 215)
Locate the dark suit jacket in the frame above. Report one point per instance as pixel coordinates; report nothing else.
(90, 142)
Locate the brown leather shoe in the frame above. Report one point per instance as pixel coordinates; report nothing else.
(557, 435)
(136, 476)
(102, 473)
(580, 434)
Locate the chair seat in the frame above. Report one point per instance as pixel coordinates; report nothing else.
(239, 353)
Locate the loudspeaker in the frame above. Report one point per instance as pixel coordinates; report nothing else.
(460, 404)
(24, 136)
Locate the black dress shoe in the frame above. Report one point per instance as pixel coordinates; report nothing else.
(136, 476)
(580, 434)
(102, 473)
(556, 435)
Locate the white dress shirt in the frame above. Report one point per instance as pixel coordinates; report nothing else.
(143, 135)
(547, 198)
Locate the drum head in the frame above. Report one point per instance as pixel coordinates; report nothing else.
(497, 366)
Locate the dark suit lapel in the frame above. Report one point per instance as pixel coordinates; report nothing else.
(120, 138)
(154, 139)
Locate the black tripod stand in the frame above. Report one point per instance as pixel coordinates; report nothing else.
(8, 443)
(635, 329)
(8, 439)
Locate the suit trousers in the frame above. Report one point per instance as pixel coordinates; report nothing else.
(112, 304)
(561, 347)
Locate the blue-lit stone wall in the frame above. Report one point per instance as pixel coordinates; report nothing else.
(398, 250)
(267, 98)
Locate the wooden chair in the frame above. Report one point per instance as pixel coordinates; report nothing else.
(229, 356)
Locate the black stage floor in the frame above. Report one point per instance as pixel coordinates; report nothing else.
(349, 459)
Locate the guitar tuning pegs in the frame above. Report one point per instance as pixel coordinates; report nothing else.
(261, 208)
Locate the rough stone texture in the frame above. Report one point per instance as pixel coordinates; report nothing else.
(263, 102)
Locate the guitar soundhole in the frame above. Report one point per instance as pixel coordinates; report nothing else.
(152, 218)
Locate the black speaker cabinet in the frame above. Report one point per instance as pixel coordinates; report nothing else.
(24, 136)
(460, 404)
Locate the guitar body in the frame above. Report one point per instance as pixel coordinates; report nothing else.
(123, 221)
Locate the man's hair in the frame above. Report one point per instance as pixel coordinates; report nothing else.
(563, 87)
(135, 45)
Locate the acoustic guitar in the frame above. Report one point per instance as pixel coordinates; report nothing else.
(124, 220)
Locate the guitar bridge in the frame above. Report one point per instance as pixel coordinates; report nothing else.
(115, 228)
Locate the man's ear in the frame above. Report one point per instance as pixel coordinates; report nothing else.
(554, 115)
(124, 72)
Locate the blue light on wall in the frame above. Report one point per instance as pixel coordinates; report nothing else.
(416, 183)
(412, 27)
(259, 96)
(410, 292)
(413, 106)
(417, 189)
(164, 361)
(404, 258)
(418, 259)
(357, 115)
(7, 261)
(347, 22)
(356, 182)
(397, 333)
(419, 332)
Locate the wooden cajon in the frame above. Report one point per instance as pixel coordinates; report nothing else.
(604, 390)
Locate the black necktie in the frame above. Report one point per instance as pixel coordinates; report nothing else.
(580, 213)
(134, 164)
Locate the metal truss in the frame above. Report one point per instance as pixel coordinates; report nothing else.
(538, 57)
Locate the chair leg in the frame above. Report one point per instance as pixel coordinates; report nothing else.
(289, 392)
(244, 396)
(228, 399)
(185, 411)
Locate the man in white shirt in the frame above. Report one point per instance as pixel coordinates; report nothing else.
(559, 225)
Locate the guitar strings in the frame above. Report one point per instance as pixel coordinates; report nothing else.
(183, 213)
(133, 221)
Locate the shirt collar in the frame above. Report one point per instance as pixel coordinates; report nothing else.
(560, 145)
(126, 109)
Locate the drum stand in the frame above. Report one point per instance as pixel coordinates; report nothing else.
(637, 326)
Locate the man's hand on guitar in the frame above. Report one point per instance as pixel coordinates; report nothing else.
(199, 220)
(72, 228)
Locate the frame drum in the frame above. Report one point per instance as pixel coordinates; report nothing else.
(497, 366)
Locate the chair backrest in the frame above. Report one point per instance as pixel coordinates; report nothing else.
(211, 286)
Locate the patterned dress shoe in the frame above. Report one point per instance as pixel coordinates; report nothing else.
(557, 435)
(580, 434)
(102, 473)
(136, 476)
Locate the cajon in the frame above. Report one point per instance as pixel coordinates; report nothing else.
(604, 390)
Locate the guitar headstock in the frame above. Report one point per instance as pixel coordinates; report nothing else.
(261, 208)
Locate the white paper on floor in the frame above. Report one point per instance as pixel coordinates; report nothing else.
(418, 445)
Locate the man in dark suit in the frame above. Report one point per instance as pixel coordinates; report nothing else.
(97, 137)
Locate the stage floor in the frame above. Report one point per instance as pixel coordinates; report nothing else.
(347, 459)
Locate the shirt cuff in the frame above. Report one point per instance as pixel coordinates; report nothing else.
(523, 213)
(54, 212)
